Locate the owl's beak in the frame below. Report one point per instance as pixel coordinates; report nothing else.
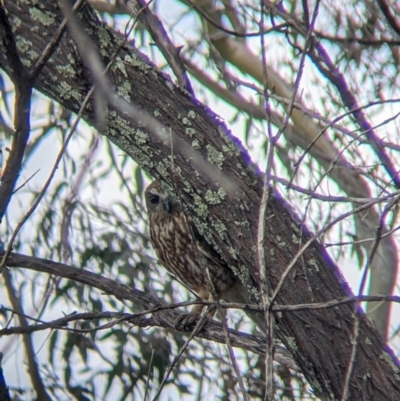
(167, 204)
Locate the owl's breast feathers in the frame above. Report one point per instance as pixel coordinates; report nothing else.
(184, 253)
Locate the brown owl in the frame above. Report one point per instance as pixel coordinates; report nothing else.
(186, 254)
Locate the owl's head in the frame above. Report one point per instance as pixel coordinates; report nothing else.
(159, 201)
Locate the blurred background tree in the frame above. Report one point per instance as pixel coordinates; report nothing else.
(336, 112)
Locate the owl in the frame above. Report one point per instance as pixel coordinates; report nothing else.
(186, 254)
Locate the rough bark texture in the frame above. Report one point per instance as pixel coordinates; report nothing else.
(320, 341)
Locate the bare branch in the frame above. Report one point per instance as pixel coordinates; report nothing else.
(33, 368)
(162, 315)
(164, 43)
(23, 91)
(391, 19)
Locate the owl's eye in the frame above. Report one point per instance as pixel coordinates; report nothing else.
(154, 199)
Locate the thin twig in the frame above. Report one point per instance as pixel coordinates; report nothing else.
(231, 353)
(361, 241)
(356, 332)
(146, 390)
(26, 181)
(262, 265)
(316, 236)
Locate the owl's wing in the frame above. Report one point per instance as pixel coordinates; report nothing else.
(238, 293)
(207, 250)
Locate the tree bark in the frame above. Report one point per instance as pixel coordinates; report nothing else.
(321, 341)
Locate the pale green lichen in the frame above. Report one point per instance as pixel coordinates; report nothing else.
(202, 227)
(231, 149)
(242, 272)
(221, 193)
(242, 172)
(292, 342)
(187, 187)
(65, 90)
(192, 114)
(124, 90)
(196, 143)
(385, 356)
(314, 264)
(233, 252)
(214, 198)
(243, 223)
(214, 156)
(71, 59)
(24, 45)
(120, 66)
(295, 228)
(162, 169)
(219, 226)
(143, 159)
(295, 239)
(157, 113)
(66, 70)
(315, 384)
(186, 121)
(44, 19)
(104, 39)
(201, 208)
(136, 61)
(124, 126)
(222, 131)
(16, 22)
(190, 131)
(282, 244)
